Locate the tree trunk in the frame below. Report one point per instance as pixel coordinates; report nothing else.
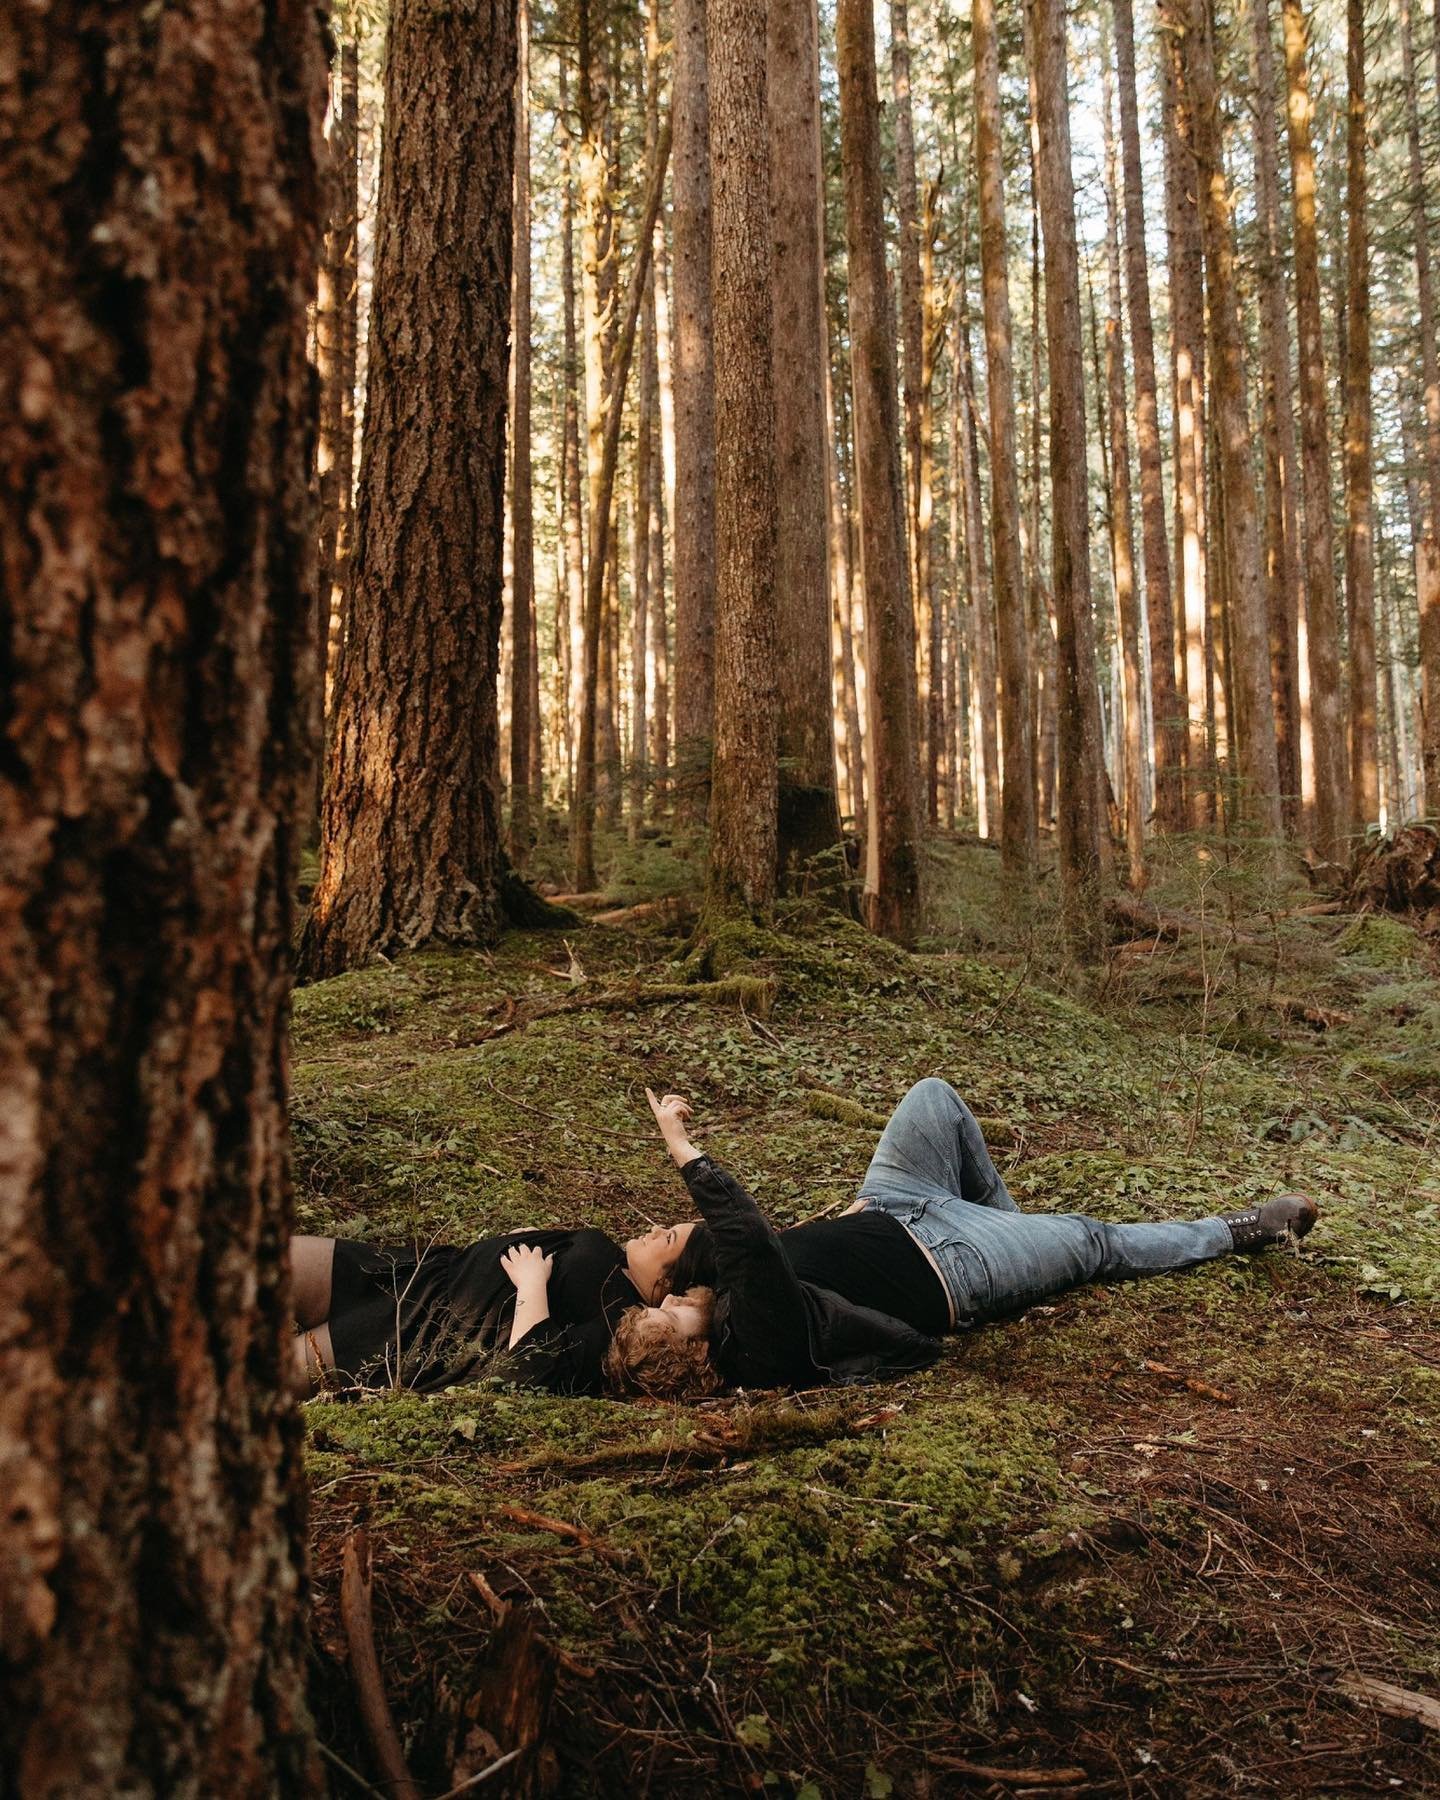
(411, 840)
(892, 862)
(809, 816)
(336, 625)
(1321, 611)
(157, 410)
(982, 607)
(912, 330)
(1251, 733)
(843, 604)
(694, 676)
(598, 561)
(662, 507)
(522, 516)
(1428, 560)
(1081, 804)
(1187, 341)
(1166, 712)
(1122, 522)
(1017, 829)
(1359, 474)
(572, 528)
(1282, 552)
(744, 782)
(933, 321)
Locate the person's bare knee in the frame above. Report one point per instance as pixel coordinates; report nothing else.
(312, 1264)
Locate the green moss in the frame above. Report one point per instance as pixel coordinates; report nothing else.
(1381, 941)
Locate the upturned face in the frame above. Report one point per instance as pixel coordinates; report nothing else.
(649, 1259)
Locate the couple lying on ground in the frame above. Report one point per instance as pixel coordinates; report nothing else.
(934, 1244)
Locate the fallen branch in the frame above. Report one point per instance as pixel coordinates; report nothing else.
(1012, 1777)
(355, 1614)
(562, 1528)
(1203, 1388)
(1400, 1703)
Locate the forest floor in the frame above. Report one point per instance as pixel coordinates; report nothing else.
(1160, 1539)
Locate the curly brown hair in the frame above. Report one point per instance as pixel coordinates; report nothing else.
(661, 1365)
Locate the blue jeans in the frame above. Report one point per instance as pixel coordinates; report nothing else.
(932, 1172)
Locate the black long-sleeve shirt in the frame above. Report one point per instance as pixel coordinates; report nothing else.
(772, 1329)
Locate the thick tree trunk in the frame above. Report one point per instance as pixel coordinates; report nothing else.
(1282, 550)
(1252, 733)
(694, 513)
(1359, 470)
(411, 839)
(1081, 804)
(336, 624)
(1321, 610)
(1187, 343)
(157, 414)
(892, 861)
(1166, 712)
(1427, 562)
(744, 782)
(1017, 830)
(1122, 522)
(809, 817)
(522, 516)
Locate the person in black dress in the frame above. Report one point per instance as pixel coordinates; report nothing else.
(538, 1307)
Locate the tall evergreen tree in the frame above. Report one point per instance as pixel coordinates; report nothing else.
(159, 231)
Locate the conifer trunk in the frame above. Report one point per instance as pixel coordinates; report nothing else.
(892, 864)
(694, 380)
(1282, 549)
(1321, 610)
(411, 840)
(1122, 522)
(1166, 712)
(572, 525)
(522, 516)
(1427, 562)
(1017, 830)
(1246, 656)
(1081, 805)
(744, 781)
(159, 237)
(1187, 344)
(809, 815)
(1359, 469)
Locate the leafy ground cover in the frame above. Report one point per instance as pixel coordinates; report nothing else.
(1150, 1540)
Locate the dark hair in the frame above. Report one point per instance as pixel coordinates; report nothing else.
(694, 1267)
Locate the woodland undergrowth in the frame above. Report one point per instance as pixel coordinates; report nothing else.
(1144, 1541)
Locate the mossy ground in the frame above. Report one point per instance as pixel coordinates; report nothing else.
(1139, 1532)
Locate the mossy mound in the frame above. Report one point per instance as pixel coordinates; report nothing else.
(1076, 1537)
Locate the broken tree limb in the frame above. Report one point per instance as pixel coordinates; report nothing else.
(1032, 1778)
(355, 1614)
(1400, 1703)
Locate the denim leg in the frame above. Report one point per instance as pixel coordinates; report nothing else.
(933, 1140)
(1033, 1256)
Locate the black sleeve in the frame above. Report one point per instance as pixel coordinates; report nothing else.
(560, 1358)
(768, 1318)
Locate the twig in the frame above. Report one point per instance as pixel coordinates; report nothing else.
(1013, 1777)
(490, 1769)
(345, 1769)
(562, 1528)
(1203, 1388)
(375, 1716)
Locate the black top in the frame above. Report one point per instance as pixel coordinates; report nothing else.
(443, 1315)
(771, 1329)
(871, 1259)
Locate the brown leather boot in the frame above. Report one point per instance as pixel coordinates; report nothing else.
(1287, 1216)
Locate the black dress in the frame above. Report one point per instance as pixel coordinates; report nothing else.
(441, 1316)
